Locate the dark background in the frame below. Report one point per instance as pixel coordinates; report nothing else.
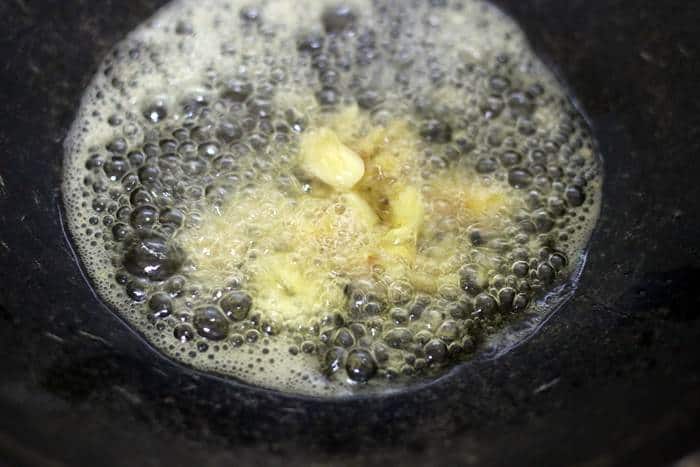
(613, 379)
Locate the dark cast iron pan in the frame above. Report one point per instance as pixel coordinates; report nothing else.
(612, 379)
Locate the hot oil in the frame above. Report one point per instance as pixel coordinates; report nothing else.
(205, 205)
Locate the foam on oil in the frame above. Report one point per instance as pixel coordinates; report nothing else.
(196, 219)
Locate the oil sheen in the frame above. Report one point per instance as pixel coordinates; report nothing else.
(329, 198)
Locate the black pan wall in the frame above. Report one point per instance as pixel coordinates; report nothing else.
(613, 379)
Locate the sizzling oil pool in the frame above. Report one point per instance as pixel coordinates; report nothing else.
(326, 198)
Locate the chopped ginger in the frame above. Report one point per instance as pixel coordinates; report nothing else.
(329, 160)
(370, 212)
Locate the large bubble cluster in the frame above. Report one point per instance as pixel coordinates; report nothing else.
(207, 101)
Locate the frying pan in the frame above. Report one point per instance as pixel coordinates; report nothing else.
(612, 379)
